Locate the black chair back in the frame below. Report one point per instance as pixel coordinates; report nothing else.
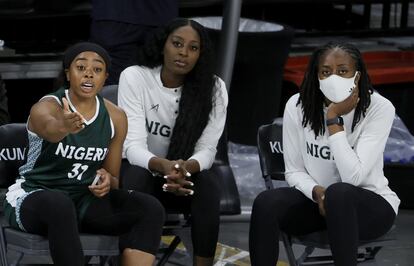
(110, 92)
(13, 151)
(270, 146)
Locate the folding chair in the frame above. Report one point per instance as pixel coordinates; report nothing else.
(270, 147)
(13, 148)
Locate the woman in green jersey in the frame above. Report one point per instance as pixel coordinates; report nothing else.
(76, 137)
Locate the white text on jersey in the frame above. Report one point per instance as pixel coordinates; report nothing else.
(81, 153)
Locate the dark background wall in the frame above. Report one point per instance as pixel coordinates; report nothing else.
(40, 30)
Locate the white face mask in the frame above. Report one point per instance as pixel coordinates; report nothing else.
(337, 88)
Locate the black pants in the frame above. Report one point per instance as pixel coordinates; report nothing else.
(122, 41)
(203, 206)
(138, 219)
(352, 214)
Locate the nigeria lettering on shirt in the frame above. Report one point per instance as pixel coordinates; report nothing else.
(156, 128)
(81, 153)
(317, 151)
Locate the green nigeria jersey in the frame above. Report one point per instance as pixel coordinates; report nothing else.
(69, 165)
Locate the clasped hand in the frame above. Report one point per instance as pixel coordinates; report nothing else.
(104, 184)
(176, 176)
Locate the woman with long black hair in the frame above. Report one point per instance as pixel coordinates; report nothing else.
(334, 135)
(176, 109)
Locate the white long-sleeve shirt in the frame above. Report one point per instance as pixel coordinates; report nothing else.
(152, 110)
(351, 157)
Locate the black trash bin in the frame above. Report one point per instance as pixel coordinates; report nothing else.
(256, 88)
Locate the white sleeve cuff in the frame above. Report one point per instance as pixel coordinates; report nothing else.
(203, 162)
(140, 158)
(337, 135)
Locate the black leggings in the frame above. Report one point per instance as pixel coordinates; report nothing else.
(138, 219)
(204, 205)
(352, 214)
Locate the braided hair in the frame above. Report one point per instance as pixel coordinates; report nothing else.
(312, 98)
(197, 96)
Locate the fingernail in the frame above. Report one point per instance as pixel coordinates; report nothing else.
(177, 165)
(187, 174)
(191, 192)
(191, 184)
(164, 186)
(165, 177)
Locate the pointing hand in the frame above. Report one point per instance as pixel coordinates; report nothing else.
(72, 121)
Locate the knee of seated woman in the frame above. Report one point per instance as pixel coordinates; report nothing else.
(206, 178)
(340, 187)
(340, 191)
(275, 201)
(147, 204)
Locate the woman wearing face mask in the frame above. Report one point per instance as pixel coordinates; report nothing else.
(176, 109)
(334, 135)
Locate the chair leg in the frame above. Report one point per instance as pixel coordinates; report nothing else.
(169, 251)
(103, 260)
(371, 252)
(3, 259)
(17, 260)
(306, 253)
(114, 261)
(289, 251)
(3, 249)
(185, 236)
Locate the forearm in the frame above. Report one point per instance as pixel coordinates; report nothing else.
(138, 155)
(192, 166)
(160, 165)
(202, 160)
(352, 168)
(52, 130)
